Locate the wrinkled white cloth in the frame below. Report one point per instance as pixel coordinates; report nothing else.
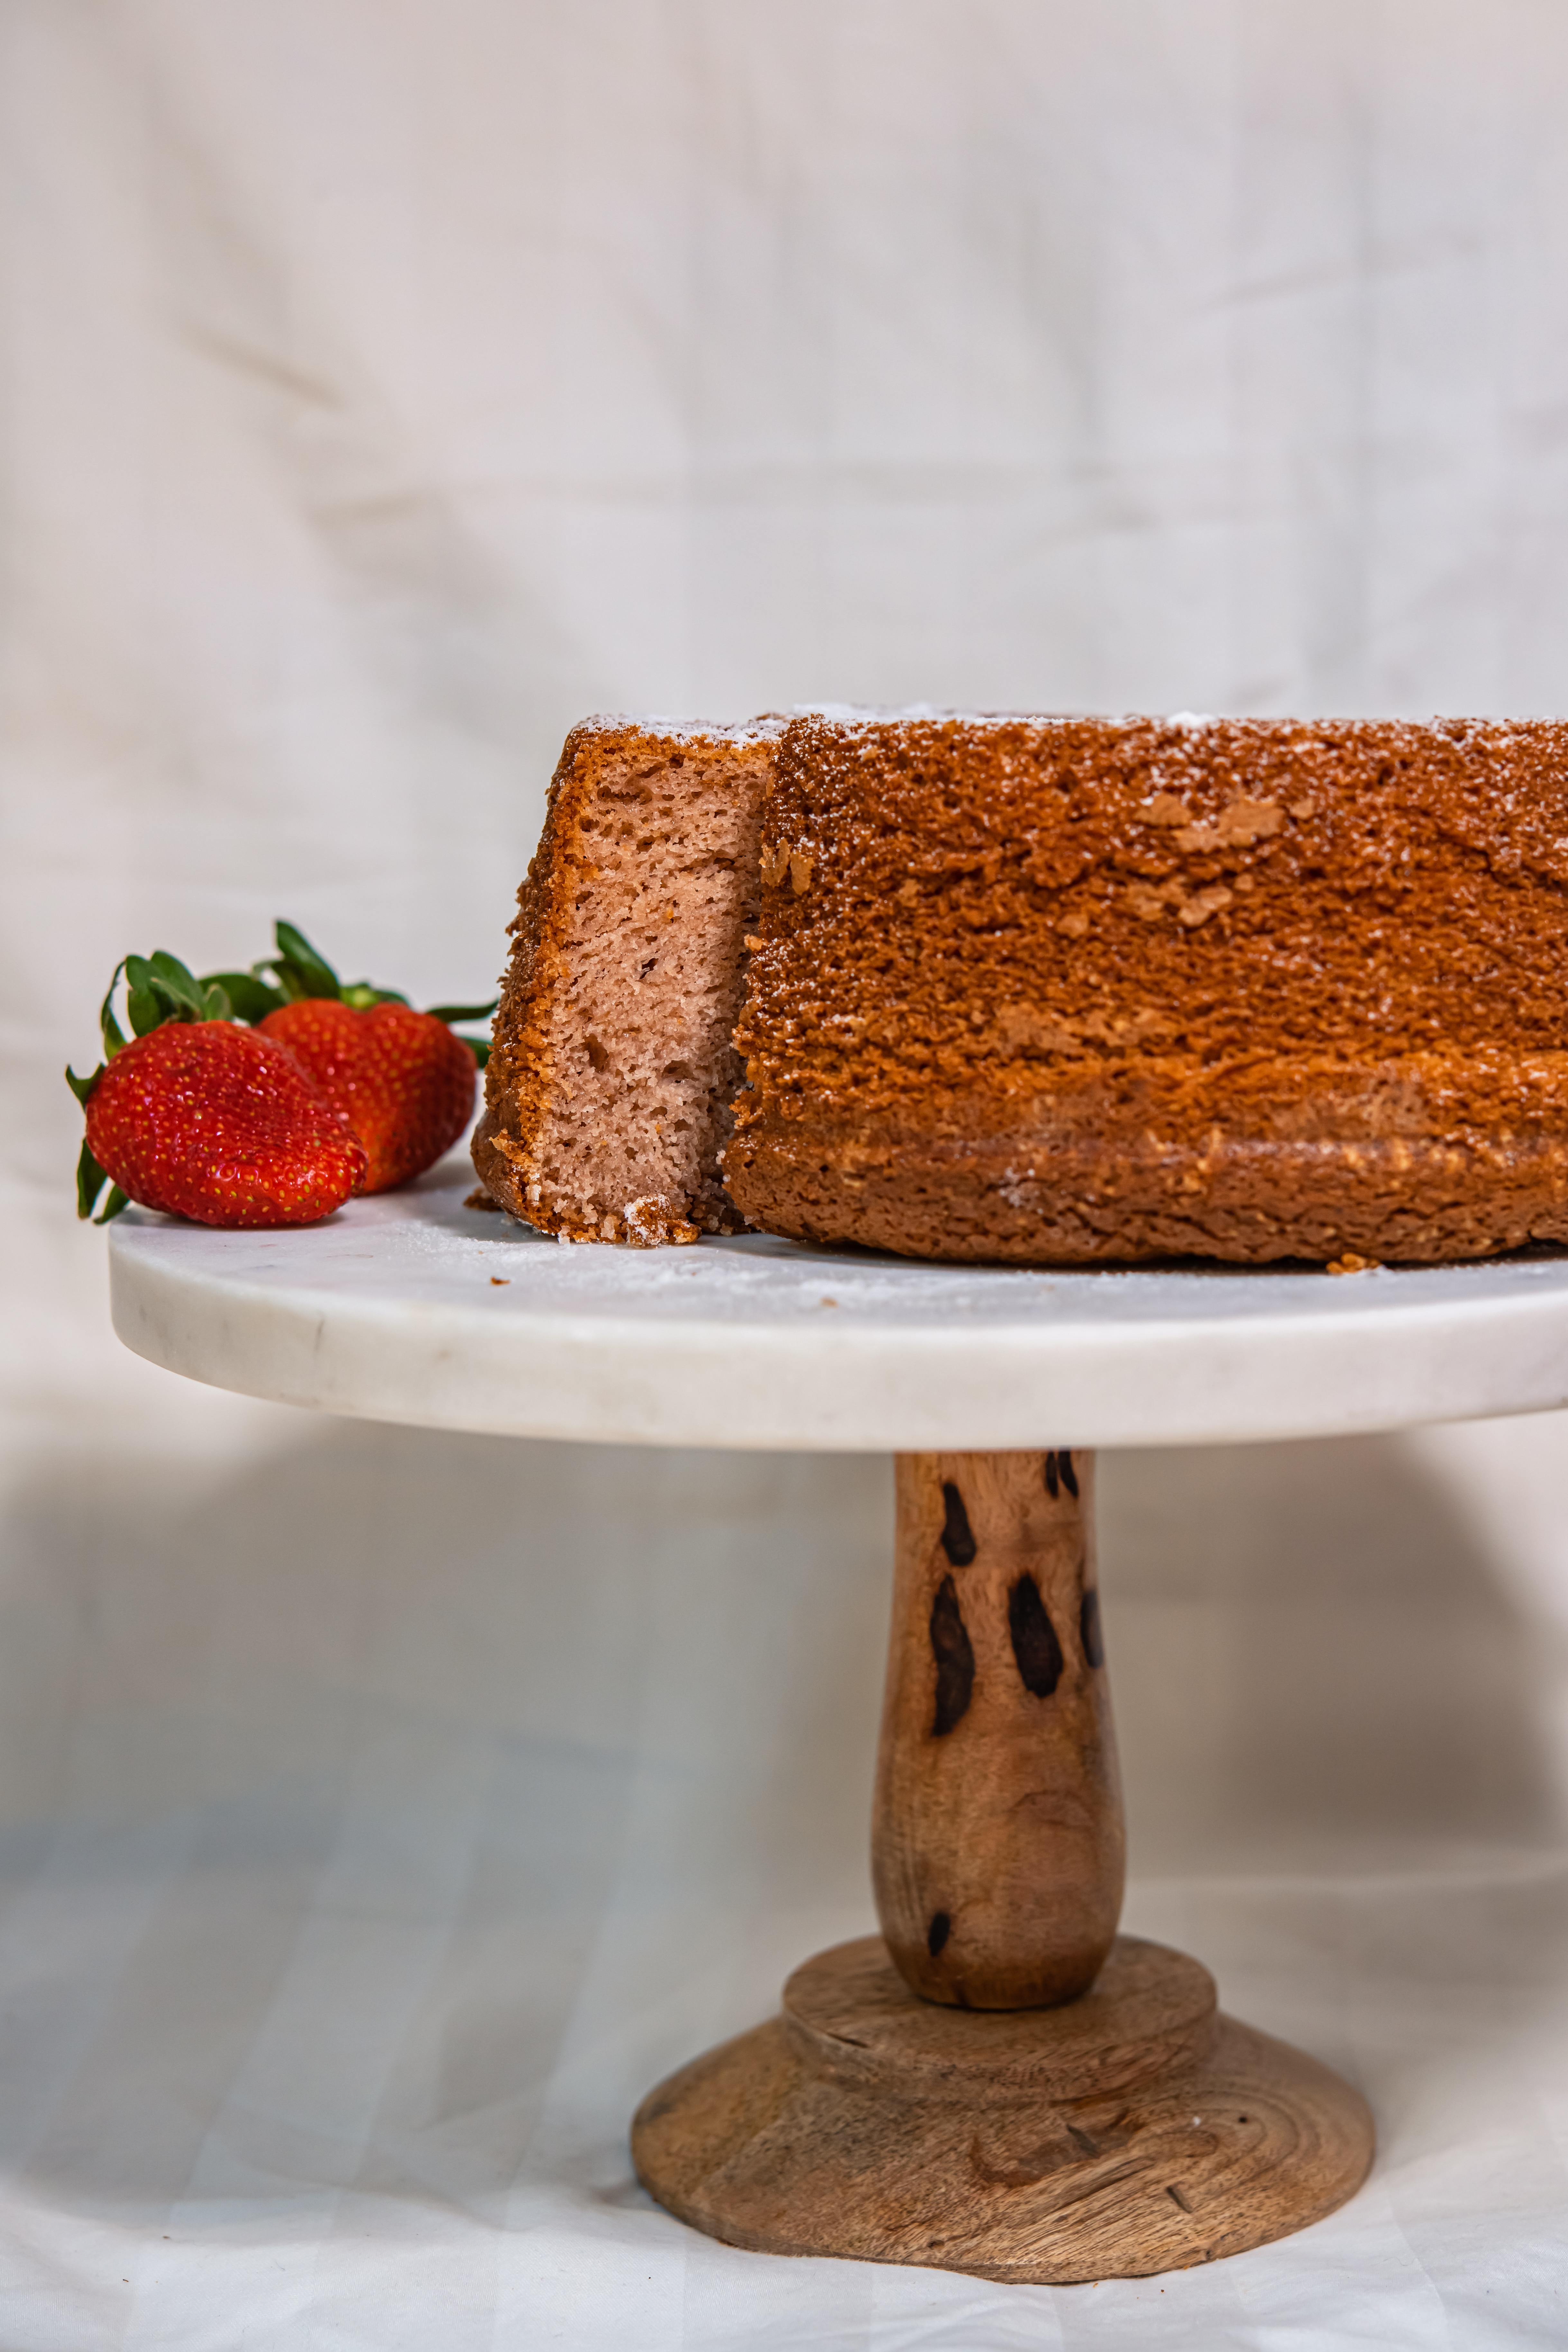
(381, 1812)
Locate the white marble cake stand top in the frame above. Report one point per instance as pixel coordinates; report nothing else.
(411, 1307)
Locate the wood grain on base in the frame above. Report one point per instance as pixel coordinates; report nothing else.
(1133, 2132)
(1004, 2086)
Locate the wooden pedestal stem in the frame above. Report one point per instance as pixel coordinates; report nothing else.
(997, 1842)
(1026, 2094)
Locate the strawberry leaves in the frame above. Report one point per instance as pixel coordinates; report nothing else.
(301, 971)
(90, 1181)
(160, 988)
(250, 997)
(298, 970)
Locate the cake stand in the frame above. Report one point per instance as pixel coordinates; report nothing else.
(999, 2082)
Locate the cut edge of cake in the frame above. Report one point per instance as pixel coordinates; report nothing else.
(612, 1074)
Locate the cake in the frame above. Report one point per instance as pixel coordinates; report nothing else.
(612, 1074)
(1074, 989)
(1045, 990)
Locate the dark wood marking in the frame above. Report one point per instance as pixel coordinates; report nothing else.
(1035, 1643)
(1027, 2175)
(1069, 1476)
(957, 1536)
(1089, 1629)
(938, 1931)
(954, 1654)
(1081, 2140)
(1052, 1484)
(1176, 2198)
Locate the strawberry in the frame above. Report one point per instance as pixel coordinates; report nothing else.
(349, 1089)
(200, 1117)
(404, 1081)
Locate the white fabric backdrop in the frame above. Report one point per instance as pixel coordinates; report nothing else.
(383, 386)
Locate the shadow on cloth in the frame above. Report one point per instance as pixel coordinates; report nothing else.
(1317, 1663)
(381, 1818)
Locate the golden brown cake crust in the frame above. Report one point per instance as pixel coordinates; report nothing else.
(1077, 990)
(611, 1074)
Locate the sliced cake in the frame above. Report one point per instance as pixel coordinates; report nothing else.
(611, 1072)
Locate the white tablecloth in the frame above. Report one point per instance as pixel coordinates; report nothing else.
(380, 1813)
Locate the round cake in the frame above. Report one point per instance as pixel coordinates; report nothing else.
(1072, 991)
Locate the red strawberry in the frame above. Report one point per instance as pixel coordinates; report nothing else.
(222, 1124)
(205, 1119)
(404, 1081)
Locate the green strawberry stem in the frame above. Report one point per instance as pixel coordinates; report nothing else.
(158, 988)
(250, 997)
(310, 973)
(299, 969)
(90, 1181)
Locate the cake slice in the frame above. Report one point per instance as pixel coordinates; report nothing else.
(612, 1071)
(1073, 990)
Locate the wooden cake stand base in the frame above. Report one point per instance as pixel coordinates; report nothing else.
(999, 2082)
